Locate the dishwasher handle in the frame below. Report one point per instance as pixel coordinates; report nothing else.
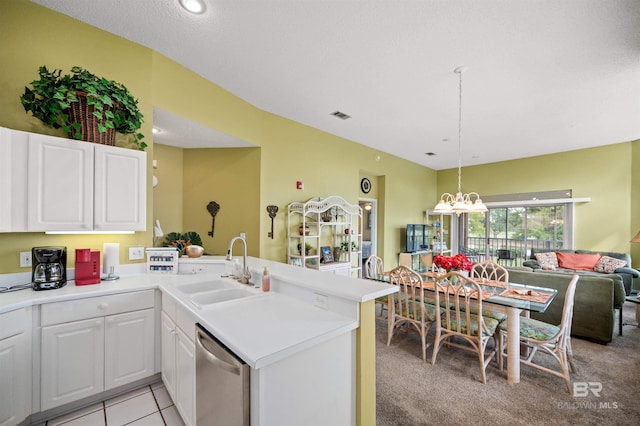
(233, 367)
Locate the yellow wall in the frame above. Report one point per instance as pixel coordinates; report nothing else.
(168, 195)
(289, 151)
(602, 173)
(635, 201)
(230, 177)
(33, 36)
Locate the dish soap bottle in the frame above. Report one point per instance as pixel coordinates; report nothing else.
(266, 280)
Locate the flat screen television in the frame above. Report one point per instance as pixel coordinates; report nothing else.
(417, 238)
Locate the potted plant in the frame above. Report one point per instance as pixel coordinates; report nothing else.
(182, 241)
(344, 246)
(67, 102)
(307, 248)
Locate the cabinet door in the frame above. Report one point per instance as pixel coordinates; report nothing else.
(13, 392)
(186, 378)
(120, 189)
(60, 196)
(129, 339)
(72, 361)
(5, 181)
(168, 350)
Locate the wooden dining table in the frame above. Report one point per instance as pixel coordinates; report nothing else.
(511, 299)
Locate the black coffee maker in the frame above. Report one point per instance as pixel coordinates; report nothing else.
(49, 267)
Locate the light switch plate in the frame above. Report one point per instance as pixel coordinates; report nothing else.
(25, 259)
(136, 253)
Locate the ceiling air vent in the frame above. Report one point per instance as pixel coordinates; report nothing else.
(340, 115)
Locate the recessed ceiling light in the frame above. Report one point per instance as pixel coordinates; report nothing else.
(193, 6)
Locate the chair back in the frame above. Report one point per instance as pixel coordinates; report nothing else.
(463, 296)
(408, 303)
(567, 309)
(373, 267)
(490, 271)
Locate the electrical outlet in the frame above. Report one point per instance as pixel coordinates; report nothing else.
(136, 253)
(25, 259)
(243, 235)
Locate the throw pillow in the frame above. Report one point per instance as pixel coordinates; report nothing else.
(576, 261)
(608, 265)
(548, 261)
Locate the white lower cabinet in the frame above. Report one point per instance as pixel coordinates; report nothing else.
(15, 371)
(129, 344)
(95, 344)
(72, 361)
(186, 378)
(178, 360)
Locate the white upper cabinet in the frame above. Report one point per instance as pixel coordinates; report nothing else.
(60, 194)
(120, 198)
(13, 180)
(58, 184)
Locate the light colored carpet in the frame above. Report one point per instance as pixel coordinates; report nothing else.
(410, 392)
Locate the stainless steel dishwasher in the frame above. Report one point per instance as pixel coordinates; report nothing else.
(222, 384)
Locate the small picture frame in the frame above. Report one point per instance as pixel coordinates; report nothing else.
(327, 255)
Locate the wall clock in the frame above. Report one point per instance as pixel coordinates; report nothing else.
(365, 185)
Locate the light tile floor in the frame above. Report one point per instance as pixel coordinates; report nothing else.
(147, 406)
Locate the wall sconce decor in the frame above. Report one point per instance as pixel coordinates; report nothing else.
(272, 210)
(213, 208)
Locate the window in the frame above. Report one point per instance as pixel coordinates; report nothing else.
(518, 229)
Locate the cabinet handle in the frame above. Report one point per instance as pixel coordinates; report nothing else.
(103, 306)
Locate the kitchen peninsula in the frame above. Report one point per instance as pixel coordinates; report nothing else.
(309, 342)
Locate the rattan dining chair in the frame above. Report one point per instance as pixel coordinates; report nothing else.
(492, 271)
(462, 320)
(409, 308)
(489, 271)
(554, 340)
(373, 269)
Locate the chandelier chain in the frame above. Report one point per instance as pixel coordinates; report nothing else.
(460, 133)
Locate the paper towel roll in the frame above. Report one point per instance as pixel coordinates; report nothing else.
(111, 258)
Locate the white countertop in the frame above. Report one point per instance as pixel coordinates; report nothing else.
(260, 329)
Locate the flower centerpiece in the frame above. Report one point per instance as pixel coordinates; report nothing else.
(458, 262)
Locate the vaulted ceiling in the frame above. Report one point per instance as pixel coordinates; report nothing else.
(543, 76)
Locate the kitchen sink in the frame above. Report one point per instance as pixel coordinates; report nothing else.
(217, 296)
(205, 286)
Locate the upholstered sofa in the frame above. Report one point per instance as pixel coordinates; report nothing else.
(626, 272)
(596, 299)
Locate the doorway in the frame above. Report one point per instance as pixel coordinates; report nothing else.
(369, 227)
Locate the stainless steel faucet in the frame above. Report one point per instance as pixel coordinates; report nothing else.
(245, 275)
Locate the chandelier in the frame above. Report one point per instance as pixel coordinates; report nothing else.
(460, 203)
